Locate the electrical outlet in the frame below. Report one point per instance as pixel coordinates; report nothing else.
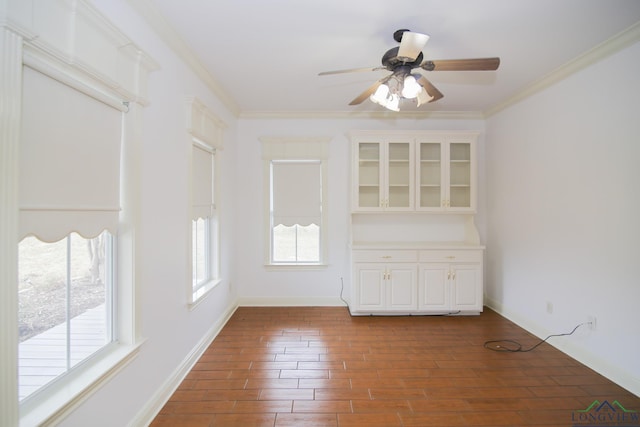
(549, 307)
(592, 322)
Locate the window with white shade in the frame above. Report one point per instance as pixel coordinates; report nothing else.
(69, 201)
(206, 131)
(296, 211)
(295, 177)
(204, 230)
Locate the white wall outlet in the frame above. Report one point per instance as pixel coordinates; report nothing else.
(549, 307)
(591, 322)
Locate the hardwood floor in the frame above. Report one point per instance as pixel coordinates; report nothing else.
(318, 366)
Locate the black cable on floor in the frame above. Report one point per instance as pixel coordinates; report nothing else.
(516, 347)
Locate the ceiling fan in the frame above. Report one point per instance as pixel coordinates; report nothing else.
(403, 82)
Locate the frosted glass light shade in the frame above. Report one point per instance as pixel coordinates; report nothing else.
(411, 45)
(380, 95)
(423, 97)
(410, 88)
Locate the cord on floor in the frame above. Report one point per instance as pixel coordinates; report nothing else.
(516, 347)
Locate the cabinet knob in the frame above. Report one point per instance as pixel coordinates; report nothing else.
(451, 257)
(386, 256)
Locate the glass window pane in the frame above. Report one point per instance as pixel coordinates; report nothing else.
(88, 295)
(65, 295)
(296, 243)
(308, 243)
(284, 243)
(200, 252)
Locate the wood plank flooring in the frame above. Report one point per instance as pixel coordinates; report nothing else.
(318, 366)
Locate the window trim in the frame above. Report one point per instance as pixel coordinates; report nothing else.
(291, 149)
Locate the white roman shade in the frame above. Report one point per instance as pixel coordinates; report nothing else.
(69, 178)
(297, 190)
(202, 182)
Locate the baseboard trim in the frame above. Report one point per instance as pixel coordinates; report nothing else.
(164, 393)
(291, 302)
(619, 376)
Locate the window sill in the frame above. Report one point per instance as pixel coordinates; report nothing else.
(295, 267)
(202, 292)
(53, 405)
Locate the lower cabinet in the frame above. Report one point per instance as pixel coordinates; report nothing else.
(450, 288)
(386, 287)
(425, 281)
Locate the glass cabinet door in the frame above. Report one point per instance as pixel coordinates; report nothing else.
(430, 172)
(399, 176)
(369, 174)
(459, 175)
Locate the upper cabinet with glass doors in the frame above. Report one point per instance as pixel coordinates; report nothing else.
(383, 174)
(446, 173)
(414, 171)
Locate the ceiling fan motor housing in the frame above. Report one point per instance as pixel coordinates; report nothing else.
(391, 61)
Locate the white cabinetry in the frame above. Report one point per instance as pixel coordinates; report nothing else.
(415, 246)
(417, 281)
(383, 174)
(387, 281)
(446, 173)
(450, 281)
(414, 171)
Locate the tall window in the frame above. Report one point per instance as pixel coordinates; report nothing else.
(69, 195)
(296, 211)
(295, 184)
(204, 231)
(206, 138)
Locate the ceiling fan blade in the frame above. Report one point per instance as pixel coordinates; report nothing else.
(475, 64)
(366, 94)
(411, 45)
(350, 70)
(430, 89)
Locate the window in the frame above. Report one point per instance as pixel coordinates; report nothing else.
(295, 185)
(65, 306)
(204, 242)
(206, 138)
(69, 199)
(296, 211)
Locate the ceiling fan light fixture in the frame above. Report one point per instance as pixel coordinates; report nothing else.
(394, 103)
(411, 45)
(380, 95)
(410, 87)
(423, 97)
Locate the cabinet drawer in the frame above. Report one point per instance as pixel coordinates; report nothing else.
(451, 256)
(384, 256)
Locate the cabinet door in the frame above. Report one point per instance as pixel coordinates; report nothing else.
(401, 287)
(460, 180)
(399, 178)
(368, 176)
(433, 287)
(430, 176)
(466, 287)
(370, 289)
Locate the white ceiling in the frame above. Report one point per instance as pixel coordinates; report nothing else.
(265, 55)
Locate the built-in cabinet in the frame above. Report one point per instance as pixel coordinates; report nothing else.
(417, 281)
(450, 281)
(415, 247)
(413, 172)
(385, 175)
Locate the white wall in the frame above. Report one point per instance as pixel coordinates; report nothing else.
(171, 330)
(562, 172)
(259, 286)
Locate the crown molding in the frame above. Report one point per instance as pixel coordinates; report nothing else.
(351, 115)
(618, 42)
(170, 36)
